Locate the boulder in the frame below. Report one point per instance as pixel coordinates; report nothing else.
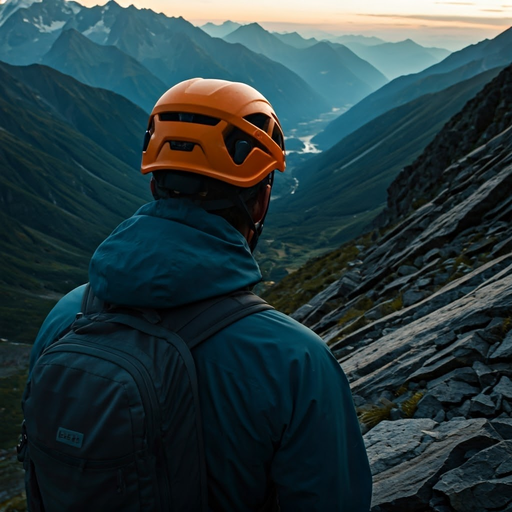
(504, 350)
(482, 405)
(454, 392)
(428, 407)
(409, 458)
(504, 388)
(484, 482)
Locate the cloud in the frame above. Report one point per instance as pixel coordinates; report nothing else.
(471, 20)
(455, 3)
(491, 10)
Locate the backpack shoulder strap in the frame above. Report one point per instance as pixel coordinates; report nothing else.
(91, 303)
(197, 322)
(193, 323)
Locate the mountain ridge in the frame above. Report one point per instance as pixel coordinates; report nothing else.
(328, 71)
(459, 65)
(146, 37)
(105, 67)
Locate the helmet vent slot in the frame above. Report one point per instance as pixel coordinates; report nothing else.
(277, 136)
(261, 121)
(181, 145)
(187, 117)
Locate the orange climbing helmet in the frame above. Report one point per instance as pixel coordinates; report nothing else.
(223, 130)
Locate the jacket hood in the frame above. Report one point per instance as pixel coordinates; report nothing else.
(170, 253)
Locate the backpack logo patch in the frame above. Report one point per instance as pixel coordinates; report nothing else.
(70, 437)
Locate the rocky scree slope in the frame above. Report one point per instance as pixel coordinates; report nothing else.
(420, 319)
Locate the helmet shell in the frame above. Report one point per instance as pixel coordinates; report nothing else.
(219, 107)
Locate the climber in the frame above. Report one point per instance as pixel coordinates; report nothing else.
(279, 425)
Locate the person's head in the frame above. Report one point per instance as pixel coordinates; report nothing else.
(217, 143)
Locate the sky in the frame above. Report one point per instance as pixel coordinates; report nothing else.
(448, 24)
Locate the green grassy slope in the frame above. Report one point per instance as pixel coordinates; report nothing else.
(61, 193)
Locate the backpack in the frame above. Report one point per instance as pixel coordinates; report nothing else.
(112, 417)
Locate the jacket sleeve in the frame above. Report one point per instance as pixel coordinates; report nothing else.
(320, 463)
(57, 322)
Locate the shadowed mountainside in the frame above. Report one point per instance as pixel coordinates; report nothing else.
(104, 66)
(341, 190)
(457, 67)
(419, 315)
(69, 174)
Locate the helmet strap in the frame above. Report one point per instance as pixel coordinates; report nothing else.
(256, 225)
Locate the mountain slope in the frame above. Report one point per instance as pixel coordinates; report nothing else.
(104, 66)
(328, 71)
(61, 192)
(456, 67)
(419, 317)
(341, 190)
(397, 59)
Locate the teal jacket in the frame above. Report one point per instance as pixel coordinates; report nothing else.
(276, 405)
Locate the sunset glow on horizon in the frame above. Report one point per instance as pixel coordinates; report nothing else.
(452, 24)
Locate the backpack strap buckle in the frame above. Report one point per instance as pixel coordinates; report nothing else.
(21, 449)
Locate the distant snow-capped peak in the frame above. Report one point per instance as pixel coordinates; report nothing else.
(68, 8)
(11, 6)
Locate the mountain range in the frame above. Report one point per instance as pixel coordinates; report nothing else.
(334, 71)
(457, 67)
(397, 59)
(143, 60)
(106, 67)
(220, 30)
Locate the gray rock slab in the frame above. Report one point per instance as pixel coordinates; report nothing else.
(462, 352)
(460, 374)
(463, 214)
(453, 392)
(486, 376)
(504, 387)
(483, 404)
(405, 270)
(393, 442)
(405, 483)
(428, 407)
(504, 350)
(502, 247)
(318, 300)
(482, 483)
(410, 352)
(411, 297)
